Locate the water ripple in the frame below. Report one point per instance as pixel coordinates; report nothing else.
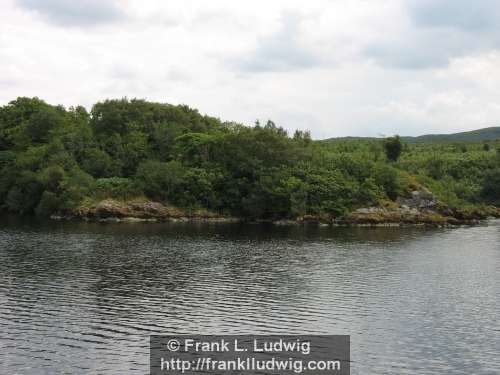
(84, 298)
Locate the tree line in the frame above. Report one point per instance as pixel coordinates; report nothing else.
(55, 159)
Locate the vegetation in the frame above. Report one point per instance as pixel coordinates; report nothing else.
(485, 134)
(54, 160)
(393, 148)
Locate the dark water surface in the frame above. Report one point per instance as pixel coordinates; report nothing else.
(84, 298)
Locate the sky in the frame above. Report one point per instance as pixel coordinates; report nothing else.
(334, 67)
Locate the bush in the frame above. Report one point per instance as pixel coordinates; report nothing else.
(389, 179)
(491, 187)
(436, 168)
(393, 147)
(49, 204)
(197, 189)
(160, 180)
(116, 187)
(98, 163)
(52, 177)
(369, 192)
(25, 194)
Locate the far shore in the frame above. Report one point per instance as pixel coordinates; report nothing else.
(420, 210)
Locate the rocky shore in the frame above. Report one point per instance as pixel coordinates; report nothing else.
(110, 210)
(418, 208)
(421, 207)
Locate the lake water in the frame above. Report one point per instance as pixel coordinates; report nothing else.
(84, 298)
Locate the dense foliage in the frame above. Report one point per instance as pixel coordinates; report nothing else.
(54, 159)
(393, 147)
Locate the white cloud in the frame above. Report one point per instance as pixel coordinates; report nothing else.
(336, 67)
(75, 13)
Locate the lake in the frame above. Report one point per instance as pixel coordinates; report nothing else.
(84, 297)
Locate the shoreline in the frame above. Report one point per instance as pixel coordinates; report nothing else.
(418, 208)
(279, 223)
(111, 211)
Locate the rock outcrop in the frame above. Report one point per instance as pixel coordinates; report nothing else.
(398, 215)
(419, 199)
(112, 210)
(419, 207)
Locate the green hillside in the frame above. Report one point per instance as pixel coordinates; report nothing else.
(485, 134)
(56, 160)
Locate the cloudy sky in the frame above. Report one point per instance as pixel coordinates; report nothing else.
(336, 67)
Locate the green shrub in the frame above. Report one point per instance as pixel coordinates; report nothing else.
(160, 180)
(389, 179)
(116, 187)
(98, 163)
(393, 148)
(491, 187)
(49, 203)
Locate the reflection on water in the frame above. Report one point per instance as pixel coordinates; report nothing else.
(84, 298)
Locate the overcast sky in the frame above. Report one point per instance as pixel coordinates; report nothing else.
(335, 67)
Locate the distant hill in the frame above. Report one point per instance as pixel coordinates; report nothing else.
(485, 134)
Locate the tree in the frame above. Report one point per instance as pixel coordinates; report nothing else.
(302, 137)
(41, 123)
(393, 147)
(97, 163)
(54, 159)
(491, 187)
(387, 177)
(161, 180)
